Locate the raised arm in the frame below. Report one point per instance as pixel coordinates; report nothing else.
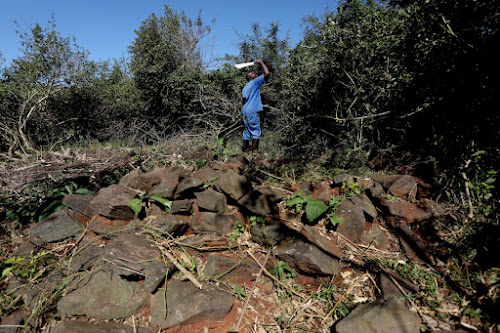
(264, 68)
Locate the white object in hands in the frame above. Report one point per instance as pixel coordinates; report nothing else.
(243, 65)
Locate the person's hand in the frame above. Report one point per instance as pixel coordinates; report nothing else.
(259, 61)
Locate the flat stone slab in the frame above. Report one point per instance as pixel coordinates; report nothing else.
(57, 227)
(408, 211)
(233, 184)
(398, 185)
(230, 269)
(78, 202)
(105, 296)
(166, 222)
(77, 326)
(134, 256)
(187, 304)
(205, 222)
(112, 202)
(212, 201)
(166, 188)
(306, 257)
(380, 317)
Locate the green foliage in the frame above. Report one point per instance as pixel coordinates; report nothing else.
(484, 177)
(282, 271)
(351, 189)
(138, 204)
(238, 229)
(238, 291)
(425, 279)
(314, 209)
(41, 202)
(255, 220)
(390, 197)
(211, 183)
(48, 64)
(23, 267)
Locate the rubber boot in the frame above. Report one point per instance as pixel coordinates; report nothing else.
(255, 145)
(246, 146)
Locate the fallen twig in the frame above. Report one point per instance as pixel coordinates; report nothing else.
(184, 271)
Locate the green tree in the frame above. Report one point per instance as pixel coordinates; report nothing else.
(166, 49)
(451, 53)
(49, 62)
(346, 75)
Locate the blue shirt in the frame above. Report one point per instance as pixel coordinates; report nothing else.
(251, 96)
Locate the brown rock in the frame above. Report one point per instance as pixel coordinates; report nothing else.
(188, 304)
(230, 269)
(306, 257)
(167, 186)
(58, 226)
(399, 185)
(9, 323)
(76, 326)
(322, 191)
(262, 201)
(212, 201)
(105, 296)
(78, 202)
(133, 180)
(136, 257)
(382, 316)
(233, 184)
(154, 177)
(102, 225)
(112, 202)
(410, 212)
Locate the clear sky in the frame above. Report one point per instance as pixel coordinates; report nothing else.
(106, 27)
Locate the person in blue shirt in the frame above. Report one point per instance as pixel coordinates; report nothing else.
(252, 105)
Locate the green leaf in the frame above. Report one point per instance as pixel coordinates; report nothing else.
(294, 201)
(335, 220)
(135, 205)
(165, 202)
(83, 191)
(51, 209)
(6, 271)
(13, 260)
(315, 209)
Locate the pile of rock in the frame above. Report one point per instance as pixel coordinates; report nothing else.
(117, 270)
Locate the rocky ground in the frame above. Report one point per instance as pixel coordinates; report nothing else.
(232, 248)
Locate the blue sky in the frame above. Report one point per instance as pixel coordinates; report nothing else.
(106, 27)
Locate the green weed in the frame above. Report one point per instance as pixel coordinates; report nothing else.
(138, 204)
(238, 229)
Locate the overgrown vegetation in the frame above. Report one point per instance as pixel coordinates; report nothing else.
(379, 84)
